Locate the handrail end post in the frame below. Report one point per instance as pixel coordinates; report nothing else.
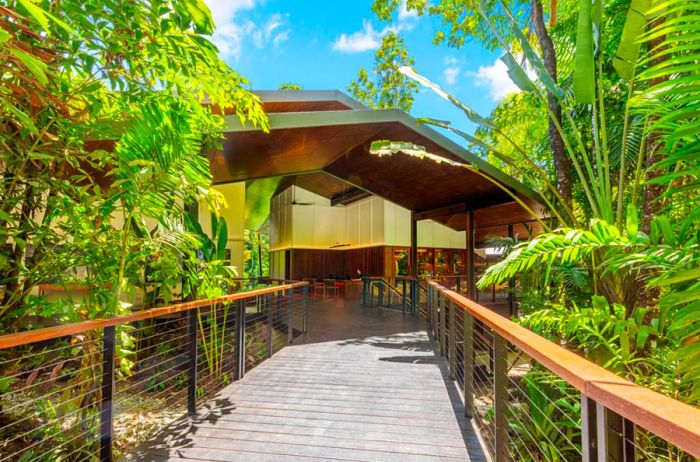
(192, 373)
(107, 403)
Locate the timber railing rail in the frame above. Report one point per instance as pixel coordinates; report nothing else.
(97, 388)
(535, 400)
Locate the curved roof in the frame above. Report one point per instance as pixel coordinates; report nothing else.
(328, 132)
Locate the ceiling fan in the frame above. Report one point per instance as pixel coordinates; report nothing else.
(294, 199)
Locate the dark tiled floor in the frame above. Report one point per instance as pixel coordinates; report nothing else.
(363, 385)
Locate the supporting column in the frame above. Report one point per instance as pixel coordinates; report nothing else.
(414, 263)
(414, 246)
(471, 283)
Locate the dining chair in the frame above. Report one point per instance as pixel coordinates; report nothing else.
(331, 287)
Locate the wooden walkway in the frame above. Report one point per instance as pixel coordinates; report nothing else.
(365, 385)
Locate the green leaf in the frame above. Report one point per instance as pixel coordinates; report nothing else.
(4, 36)
(201, 16)
(628, 50)
(679, 277)
(632, 221)
(584, 66)
(35, 66)
(37, 13)
(517, 74)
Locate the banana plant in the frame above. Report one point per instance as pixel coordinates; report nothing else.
(207, 278)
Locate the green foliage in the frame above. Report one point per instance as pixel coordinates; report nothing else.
(256, 254)
(290, 86)
(545, 418)
(102, 133)
(389, 89)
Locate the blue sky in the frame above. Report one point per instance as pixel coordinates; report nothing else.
(321, 45)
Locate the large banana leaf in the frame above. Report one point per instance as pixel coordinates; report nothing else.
(628, 50)
(584, 66)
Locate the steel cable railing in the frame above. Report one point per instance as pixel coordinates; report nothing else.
(97, 389)
(534, 400)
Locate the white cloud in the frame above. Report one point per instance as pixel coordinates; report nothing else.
(495, 78)
(451, 71)
(232, 32)
(405, 14)
(224, 11)
(369, 39)
(357, 42)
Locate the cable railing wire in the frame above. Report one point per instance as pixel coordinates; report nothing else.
(52, 397)
(527, 405)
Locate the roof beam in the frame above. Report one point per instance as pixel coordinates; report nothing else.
(354, 194)
(441, 211)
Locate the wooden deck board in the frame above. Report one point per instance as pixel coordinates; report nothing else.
(364, 385)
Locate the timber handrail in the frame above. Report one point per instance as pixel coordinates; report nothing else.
(49, 333)
(676, 422)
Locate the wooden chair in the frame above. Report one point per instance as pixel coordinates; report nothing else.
(331, 286)
(319, 288)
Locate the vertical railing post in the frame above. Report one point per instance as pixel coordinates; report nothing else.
(588, 429)
(442, 301)
(415, 298)
(615, 436)
(500, 378)
(290, 317)
(429, 312)
(240, 340)
(468, 353)
(452, 348)
(435, 315)
(192, 373)
(270, 319)
(403, 295)
(106, 405)
(381, 294)
(305, 309)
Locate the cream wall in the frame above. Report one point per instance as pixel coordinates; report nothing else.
(234, 213)
(366, 223)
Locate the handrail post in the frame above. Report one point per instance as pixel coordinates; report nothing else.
(270, 319)
(192, 374)
(305, 309)
(380, 303)
(106, 405)
(588, 429)
(452, 339)
(615, 436)
(441, 325)
(240, 340)
(428, 313)
(500, 378)
(290, 317)
(403, 295)
(468, 353)
(416, 295)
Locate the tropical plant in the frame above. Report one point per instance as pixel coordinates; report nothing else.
(629, 128)
(389, 89)
(102, 136)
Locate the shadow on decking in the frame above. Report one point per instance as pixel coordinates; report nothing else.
(336, 395)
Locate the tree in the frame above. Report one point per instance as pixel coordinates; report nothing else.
(390, 89)
(463, 20)
(290, 86)
(135, 73)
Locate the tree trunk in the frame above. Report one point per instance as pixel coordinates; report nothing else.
(561, 162)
